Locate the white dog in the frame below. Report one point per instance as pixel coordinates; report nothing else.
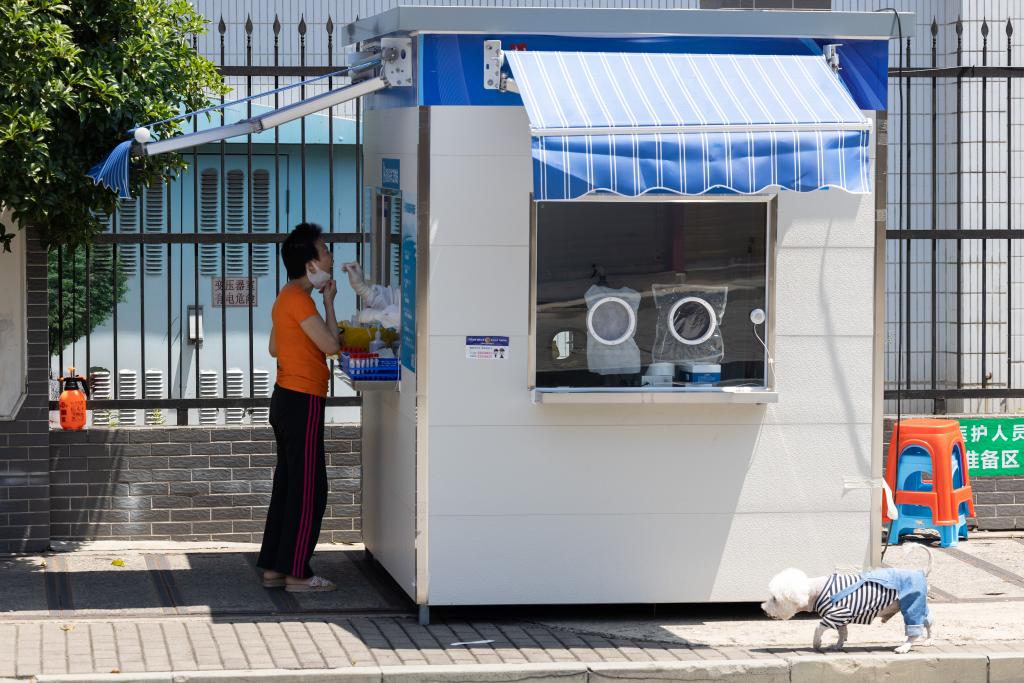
(842, 599)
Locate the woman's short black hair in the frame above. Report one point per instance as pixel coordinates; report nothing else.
(299, 248)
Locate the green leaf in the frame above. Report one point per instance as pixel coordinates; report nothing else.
(71, 314)
(76, 76)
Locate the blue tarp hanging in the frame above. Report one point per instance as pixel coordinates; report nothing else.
(632, 123)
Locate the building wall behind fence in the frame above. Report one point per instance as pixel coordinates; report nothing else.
(186, 484)
(990, 298)
(151, 334)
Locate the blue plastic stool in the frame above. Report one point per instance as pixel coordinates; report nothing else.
(914, 464)
(919, 517)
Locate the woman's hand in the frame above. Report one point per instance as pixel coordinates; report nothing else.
(329, 291)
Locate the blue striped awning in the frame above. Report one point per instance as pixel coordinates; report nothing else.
(633, 123)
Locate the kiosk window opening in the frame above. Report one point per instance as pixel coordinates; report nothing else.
(650, 294)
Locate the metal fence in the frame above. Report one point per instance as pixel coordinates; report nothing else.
(953, 248)
(955, 336)
(224, 221)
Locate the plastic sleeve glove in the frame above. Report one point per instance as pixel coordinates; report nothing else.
(379, 296)
(391, 317)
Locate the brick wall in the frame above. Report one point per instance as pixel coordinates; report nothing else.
(186, 483)
(24, 452)
(998, 501)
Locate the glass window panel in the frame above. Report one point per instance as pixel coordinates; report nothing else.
(631, 294)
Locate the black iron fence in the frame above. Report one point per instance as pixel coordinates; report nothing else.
(223, 220)
(951, 160)
(954, 256)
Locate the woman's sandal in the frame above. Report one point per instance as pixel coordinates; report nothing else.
(316, 584)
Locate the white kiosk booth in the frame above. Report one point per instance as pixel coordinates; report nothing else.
(641, 260)
(641, 263)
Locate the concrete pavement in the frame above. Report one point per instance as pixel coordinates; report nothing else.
(191, 613)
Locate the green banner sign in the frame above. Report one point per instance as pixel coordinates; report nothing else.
(995, 446)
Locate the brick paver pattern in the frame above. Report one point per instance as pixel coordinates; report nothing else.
(30, 648)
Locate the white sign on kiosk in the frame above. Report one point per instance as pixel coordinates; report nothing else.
(486, 348)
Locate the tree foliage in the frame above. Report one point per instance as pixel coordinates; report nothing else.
(76, 76)
(75, 310)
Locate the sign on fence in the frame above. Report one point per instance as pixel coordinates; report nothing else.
(995, 446)
(236, 290)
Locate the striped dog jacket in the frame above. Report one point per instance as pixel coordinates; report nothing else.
(858, 607)
(858, 598)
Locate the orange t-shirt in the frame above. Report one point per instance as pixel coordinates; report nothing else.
(301, 365)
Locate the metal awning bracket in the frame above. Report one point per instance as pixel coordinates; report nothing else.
(494, 60)
(831, 53)
(396, 60)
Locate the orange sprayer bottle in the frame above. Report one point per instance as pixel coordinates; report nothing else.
(72, 400)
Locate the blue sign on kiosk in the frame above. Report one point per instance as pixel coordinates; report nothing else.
(390, 174)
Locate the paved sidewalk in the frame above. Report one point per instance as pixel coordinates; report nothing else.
(367, 646)
(179, 612)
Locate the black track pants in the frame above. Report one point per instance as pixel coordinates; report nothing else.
(299, 496)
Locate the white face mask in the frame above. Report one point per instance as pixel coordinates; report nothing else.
(318, 278)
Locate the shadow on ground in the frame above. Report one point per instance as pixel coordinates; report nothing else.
(124, 583)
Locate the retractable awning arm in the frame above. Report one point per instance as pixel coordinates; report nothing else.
(263, 122)
(395, 71)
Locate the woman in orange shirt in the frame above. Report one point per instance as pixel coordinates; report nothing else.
(300, 339)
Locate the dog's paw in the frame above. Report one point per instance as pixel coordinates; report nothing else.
(837, 647)
(903, 649)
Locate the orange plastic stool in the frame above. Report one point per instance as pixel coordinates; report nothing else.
(940, 439)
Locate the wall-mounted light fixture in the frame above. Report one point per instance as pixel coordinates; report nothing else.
(195, 325)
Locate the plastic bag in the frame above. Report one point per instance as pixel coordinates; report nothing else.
(689, 323)
(611, 324)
